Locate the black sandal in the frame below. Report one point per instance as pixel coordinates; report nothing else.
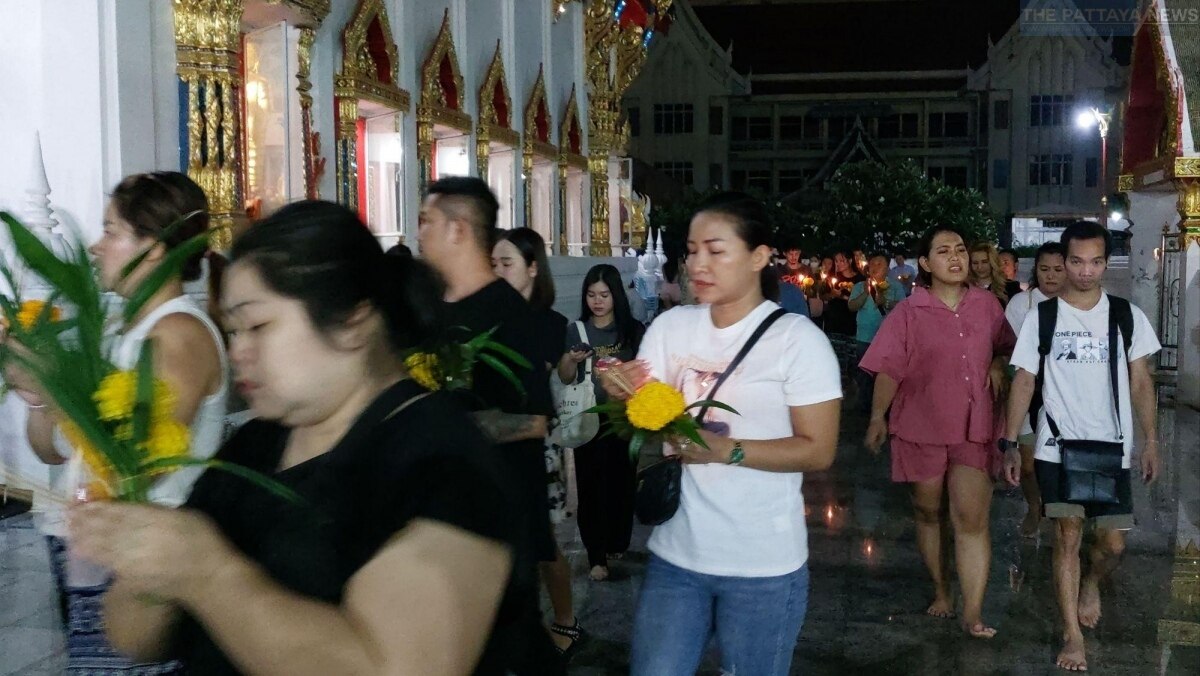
(574, 632)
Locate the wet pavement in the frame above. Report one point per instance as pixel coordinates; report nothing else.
(869, 588)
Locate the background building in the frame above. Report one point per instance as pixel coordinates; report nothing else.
(924, 81)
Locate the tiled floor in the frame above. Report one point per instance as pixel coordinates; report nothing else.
(868, 590)
(30, 635)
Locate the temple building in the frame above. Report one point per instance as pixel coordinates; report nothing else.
(265, 102)
(773, 97)
(1160, 177)
(365, 102)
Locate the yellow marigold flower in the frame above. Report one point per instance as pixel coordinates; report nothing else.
(117, 395)
(30, 310)
(163, 405)
(168, 439)
(654, 406)
(124, 432)
(424, 368)
(96, 462)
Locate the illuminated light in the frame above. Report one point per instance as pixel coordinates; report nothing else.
(1086, 119)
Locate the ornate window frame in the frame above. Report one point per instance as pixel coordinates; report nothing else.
(370, 72)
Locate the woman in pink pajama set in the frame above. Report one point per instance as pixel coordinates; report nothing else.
(939, 362)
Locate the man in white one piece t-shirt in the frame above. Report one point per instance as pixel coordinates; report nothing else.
(1077, 393)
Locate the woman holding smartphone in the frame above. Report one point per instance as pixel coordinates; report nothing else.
(603, 470)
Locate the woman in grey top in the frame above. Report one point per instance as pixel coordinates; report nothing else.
(604, 472)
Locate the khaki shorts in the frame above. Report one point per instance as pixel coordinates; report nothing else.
(1108, 517)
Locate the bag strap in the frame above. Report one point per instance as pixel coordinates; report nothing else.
(1047, 319)
(587, 365)
(737, 360)
(1114, 357)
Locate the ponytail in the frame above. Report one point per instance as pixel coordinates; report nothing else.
(408, 294)
(322, 255)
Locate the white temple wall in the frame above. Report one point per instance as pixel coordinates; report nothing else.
(1188, 386)
(1149, 212)
(69, 77)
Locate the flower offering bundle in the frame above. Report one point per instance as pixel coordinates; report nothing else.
(451, 365)
(120, 421)
(653, 411)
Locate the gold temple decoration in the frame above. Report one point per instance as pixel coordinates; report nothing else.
(537, 130)
(1167, 149)
(495, 113)
(559, 8)
(313, 164)
(570, 154)
(600, 34)
(570, 135)
(370, 72)
(311, 12)
(1125, 183)
(207, 39)
(614, 58)
(441, 99)
(1187, 167)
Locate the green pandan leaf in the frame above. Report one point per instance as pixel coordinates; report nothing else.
(712, 403)
(144, 401)
(503, 370)
(635, 444)
(171, 266)
(259, 479)
(41, 260)
(508, 353)
(166, 234)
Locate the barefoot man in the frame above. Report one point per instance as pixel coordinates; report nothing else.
(1078, 403)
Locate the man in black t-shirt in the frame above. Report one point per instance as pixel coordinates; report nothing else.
(457, 226)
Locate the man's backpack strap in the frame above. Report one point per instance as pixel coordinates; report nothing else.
(1047, 318)
(1122, 312)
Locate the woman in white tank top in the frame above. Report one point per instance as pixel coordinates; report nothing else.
(189, 355)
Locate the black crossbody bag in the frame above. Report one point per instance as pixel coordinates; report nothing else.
(659, 485)
(1091, 468)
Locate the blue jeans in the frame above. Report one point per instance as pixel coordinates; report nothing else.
(756, 621)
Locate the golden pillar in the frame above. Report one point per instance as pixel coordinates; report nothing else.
(560, 234)
(304, 86)
(527, 183)
(346, 149)
(206, 46)
(1187, 180)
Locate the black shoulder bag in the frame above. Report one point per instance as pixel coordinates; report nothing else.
(658, 486)
(1090, 468)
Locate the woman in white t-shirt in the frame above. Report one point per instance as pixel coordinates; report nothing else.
(1049, 274)
(189, 354)
(732, 561)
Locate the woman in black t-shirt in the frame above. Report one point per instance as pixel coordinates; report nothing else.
(519, 258)
(400, 556)
(840, 322)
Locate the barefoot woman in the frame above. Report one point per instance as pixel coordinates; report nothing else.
(939, 362)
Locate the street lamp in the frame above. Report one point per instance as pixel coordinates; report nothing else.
(1085, 120)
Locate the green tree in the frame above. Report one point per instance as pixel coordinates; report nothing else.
(875, 206)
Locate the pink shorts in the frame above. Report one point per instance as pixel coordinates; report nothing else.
(913, 462)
